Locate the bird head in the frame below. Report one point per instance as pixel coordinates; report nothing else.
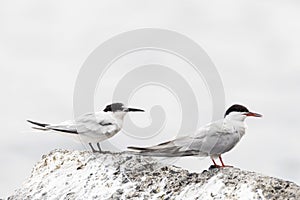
(119, 107)
(239, 113)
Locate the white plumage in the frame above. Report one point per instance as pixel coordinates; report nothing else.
(92, 127)
(212, 140)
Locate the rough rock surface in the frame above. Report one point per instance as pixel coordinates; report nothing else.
(66, 174)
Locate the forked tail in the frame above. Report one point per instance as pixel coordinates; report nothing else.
(41, 126)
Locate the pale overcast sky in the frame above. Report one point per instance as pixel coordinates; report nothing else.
(254, 45)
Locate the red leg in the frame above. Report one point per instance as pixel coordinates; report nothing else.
(215, 163)
(222, 162)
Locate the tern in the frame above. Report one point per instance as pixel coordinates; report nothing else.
(92, 127)
(213, 139)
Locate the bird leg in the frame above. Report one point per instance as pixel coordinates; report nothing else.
(216, 165)
(220, 158)
(94, 150)
(98, 145)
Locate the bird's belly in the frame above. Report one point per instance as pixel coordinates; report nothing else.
(94, 136)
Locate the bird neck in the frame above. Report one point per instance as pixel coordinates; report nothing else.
(236, 120)
(119, 115)
(236, 117)
(239, 124)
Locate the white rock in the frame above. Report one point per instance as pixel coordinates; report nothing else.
(66, 174)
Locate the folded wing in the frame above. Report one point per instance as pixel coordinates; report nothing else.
(203, 143)
(93, 125)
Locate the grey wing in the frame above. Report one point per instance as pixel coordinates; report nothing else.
(203, 141)
(97, 125)
(218, 138)
(224, 143)
(210, 139)
(183, 146)
(92, 125)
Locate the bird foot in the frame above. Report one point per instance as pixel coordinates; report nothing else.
(218, 166)
(227, 166)
(96, 151)
(215, 166)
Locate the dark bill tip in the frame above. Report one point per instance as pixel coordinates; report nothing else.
(135, 110)
(252, 114)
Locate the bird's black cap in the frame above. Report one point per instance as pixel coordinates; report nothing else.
(114, 107)
(236, 108)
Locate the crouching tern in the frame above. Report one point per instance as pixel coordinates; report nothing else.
(92, 127)
(213, 139)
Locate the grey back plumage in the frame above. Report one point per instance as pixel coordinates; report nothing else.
(213, 139)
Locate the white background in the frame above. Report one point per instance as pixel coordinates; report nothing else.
(254, 45)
